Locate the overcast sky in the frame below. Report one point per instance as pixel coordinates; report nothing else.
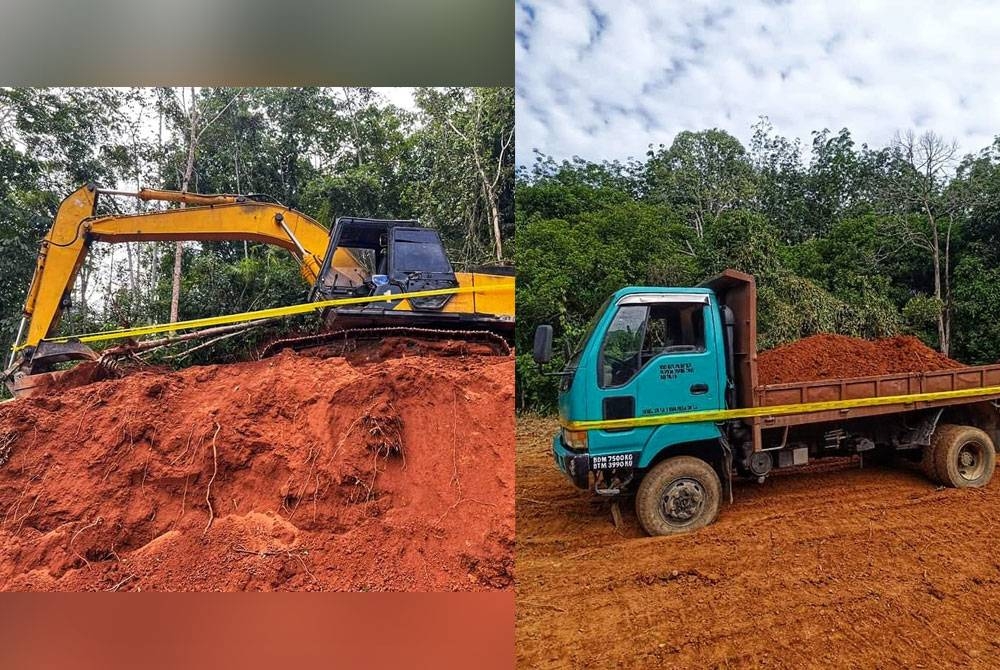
(602, 79)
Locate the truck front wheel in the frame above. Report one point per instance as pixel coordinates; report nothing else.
(678, 495)
(962, 456)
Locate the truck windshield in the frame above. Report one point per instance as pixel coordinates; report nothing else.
(574, 359)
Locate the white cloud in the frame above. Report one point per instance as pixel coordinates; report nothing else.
(603, 79)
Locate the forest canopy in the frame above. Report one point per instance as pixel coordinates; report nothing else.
(843, 238)
(447, 161)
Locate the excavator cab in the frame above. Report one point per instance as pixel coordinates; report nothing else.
(386, 257)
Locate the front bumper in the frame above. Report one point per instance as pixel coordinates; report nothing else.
(574, 465)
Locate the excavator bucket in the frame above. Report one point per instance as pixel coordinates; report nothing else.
(33, 370)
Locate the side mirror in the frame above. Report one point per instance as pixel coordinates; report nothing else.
(542, 352)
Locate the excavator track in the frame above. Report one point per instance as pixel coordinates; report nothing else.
(342, 342)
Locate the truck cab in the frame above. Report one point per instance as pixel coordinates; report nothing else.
(649, 351)
(385, 256)
(379, 257)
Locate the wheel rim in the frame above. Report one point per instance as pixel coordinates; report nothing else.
(971, 460)
(682, 501)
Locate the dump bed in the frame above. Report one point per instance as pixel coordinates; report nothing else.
(737, 291)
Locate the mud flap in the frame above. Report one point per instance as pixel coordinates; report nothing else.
(727, 469)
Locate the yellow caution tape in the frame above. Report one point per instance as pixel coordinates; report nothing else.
(776, 410)
(290, 310)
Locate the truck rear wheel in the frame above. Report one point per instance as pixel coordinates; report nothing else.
(678, 495)
(963, 456)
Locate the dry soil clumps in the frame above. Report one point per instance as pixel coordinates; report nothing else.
(294, 472)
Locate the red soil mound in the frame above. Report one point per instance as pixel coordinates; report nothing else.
(295, 472)
(828, 356)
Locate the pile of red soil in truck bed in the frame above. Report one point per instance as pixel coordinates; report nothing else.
(294, 472)
(827, 356)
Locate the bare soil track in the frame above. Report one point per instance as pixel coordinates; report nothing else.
(841, 566)
(295, 472)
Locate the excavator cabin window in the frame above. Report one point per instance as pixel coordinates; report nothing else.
(412, 257)
(418, 250)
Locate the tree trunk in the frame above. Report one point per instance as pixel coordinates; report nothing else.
(491, 201)
(947, 287)
(134, 269)
(154, 278)
(84, 280)
(493, 212)
(111, 277)
(938, 292)
(132, 282)
(175, 294)
(489, 188)
(154, 272)
(495, 217)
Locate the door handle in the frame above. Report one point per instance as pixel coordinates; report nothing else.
(698, 389)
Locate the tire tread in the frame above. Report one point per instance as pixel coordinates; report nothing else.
(946, 439)
(647, 497)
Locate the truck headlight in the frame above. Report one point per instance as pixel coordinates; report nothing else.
(575, 440)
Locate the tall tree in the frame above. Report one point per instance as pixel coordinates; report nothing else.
(781, 181)
(703, 173)
(191, 112)
(189, 106)
(475, 130)
(926, 211)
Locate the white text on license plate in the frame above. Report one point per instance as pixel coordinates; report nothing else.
(612, 461)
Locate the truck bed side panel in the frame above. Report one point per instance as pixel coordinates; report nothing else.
(984, 376)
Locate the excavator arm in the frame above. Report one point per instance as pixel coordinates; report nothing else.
(209, 217)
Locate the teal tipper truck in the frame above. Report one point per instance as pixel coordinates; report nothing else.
(661, 400)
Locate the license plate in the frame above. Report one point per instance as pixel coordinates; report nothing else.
(608, 461)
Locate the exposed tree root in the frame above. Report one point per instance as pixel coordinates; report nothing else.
(215, 471)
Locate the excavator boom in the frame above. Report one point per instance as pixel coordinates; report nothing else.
(75, 228)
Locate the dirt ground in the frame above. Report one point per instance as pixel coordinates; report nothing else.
(378, 472)
(841, 566)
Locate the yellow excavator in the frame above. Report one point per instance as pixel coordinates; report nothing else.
(357, 257)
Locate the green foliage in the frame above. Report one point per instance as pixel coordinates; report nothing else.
(920, 314)
(792, 307)
(463, 151)
(702, 174)
(745, 241)
(977, 311)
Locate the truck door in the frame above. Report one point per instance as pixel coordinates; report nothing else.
(658, 356)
